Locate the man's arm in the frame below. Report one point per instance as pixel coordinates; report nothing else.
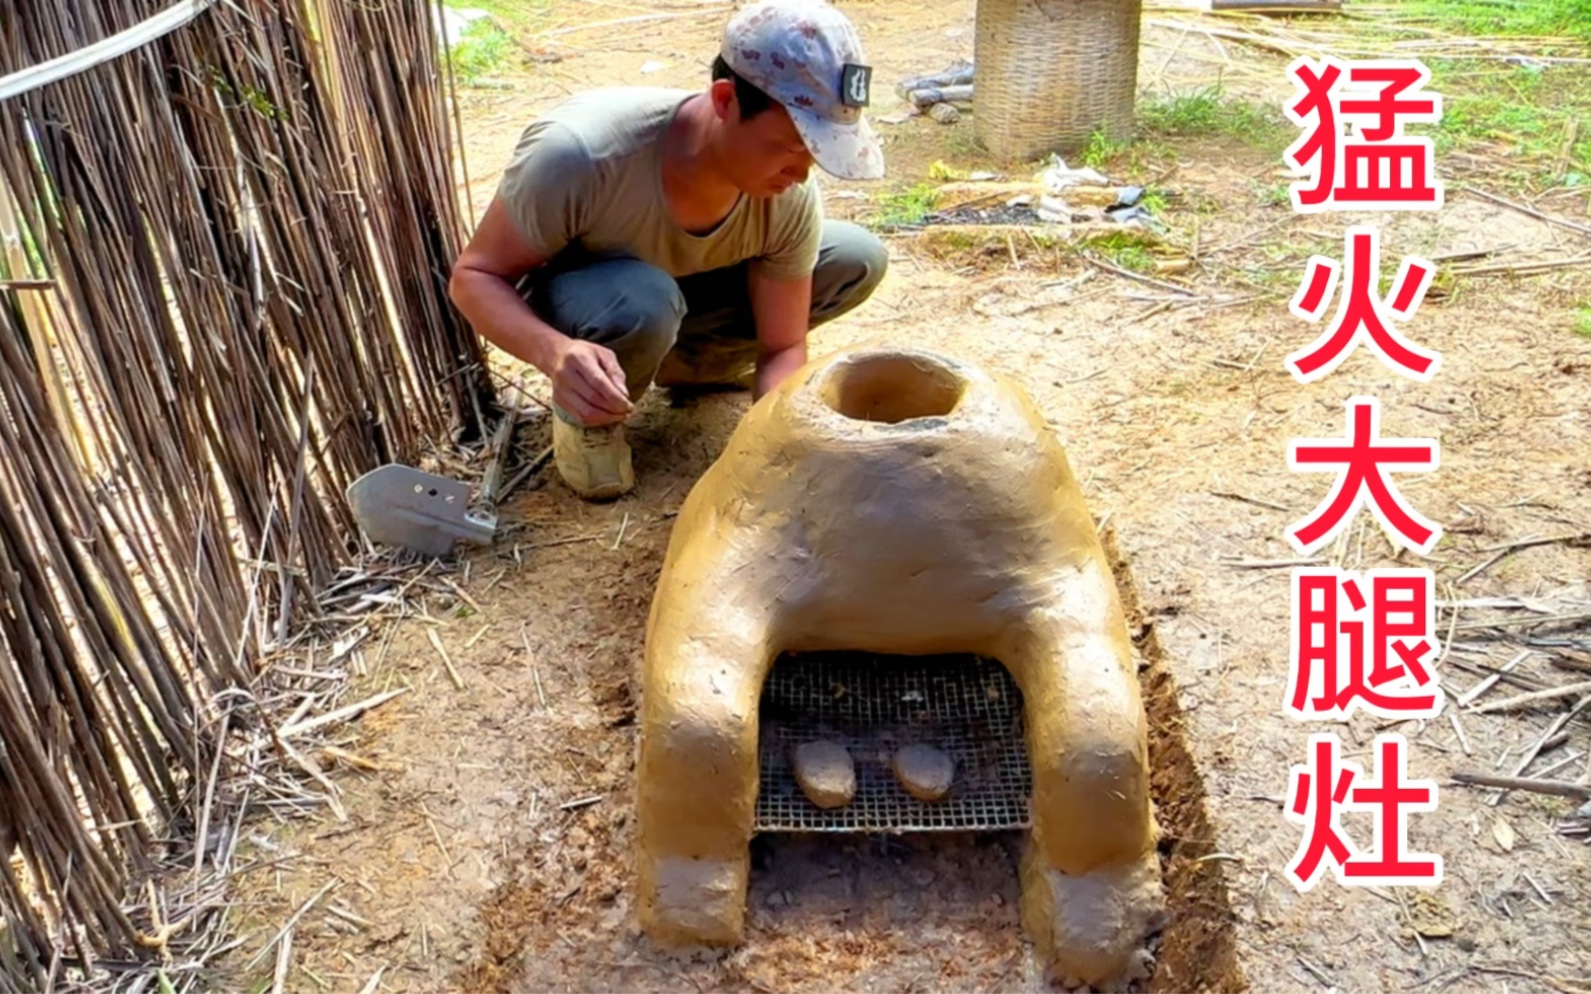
(586, 378)
(781, 309)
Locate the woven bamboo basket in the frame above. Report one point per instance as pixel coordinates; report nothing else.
(1049, 73)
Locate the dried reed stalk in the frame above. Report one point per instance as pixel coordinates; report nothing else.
(223, 298)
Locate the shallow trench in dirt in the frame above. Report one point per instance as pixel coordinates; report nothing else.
(862, 911)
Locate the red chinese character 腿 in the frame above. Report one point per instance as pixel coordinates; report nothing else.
(1363, 315)
(1342, 661)
(1374, 166)
(1324, 787)
(1361, 462)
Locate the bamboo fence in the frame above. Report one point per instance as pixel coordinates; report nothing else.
(222, 298)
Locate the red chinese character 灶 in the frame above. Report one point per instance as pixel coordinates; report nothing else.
(1324, 787)
(1374, 166)
(1334, 671)
(1361, 462)
(1363, 315)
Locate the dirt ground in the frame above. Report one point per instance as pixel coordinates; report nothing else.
(490, 848)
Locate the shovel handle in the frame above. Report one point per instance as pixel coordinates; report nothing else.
(492, 482)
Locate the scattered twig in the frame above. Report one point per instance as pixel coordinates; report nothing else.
(1230, 495)
(1568, 659)
(284, 959)
(374, 983)
(436, 643)
(1528, 211)
(1541, 743)
(1535, 696)
(355, 760)
(1556, 983)
(341, 714)
(462, 595)
(563, 541)
(1466, 256)
(1480, 567)
(349, 916)
(1129, 274)
(1313, 970)
(520, 477)
(1530, 542)
(1561, 788)
(1500, 551)
(309, 766)
(582, 802)
(535, 674)
(447, 857)
(1523, 268)
(1270, 563)
(291, 921)
(1463, 740)
(1517, 622)
(1538, 888)
(1470, 695)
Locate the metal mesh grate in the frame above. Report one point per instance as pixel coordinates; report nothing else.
(966, 706)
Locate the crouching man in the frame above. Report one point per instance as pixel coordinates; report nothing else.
(646, 236)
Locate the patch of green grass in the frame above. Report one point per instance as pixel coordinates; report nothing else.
(1101, 150)
(962, 143)
(1272, 194)
(522, 17)
(1535, 18)
(1209, 111)
(1582, 323)
(484, 50)
(1124, 249)
(1528, 110)
(906, 206)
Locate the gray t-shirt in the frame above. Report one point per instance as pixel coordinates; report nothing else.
(588, 172)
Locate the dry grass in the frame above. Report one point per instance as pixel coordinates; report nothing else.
(227, 302)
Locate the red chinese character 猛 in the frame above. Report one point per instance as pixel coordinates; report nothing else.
(1349, 651)
(1362, 462)
(1374, 165)
(1363, 315)
(1325, 787)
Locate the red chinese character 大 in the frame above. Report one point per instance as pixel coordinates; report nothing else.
(1373, 165)
(1363, 315)
(1362, 462)
(1351, 652)
(1324, 787)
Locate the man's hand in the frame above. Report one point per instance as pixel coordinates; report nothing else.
(587, 380)
(781, 309)
(588, 383)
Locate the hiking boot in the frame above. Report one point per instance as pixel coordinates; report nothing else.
(594, 462)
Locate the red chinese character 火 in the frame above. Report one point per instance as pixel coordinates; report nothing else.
(1323, 788)
(1364, 461)
(1332, 673)
(1362, 313)
(1374, 166)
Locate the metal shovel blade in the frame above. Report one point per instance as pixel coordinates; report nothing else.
(403, 506)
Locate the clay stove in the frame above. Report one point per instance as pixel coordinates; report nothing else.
(902, 503)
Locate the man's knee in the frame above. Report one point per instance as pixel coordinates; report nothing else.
(630, 306)
(850, 267)
(642, 309)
